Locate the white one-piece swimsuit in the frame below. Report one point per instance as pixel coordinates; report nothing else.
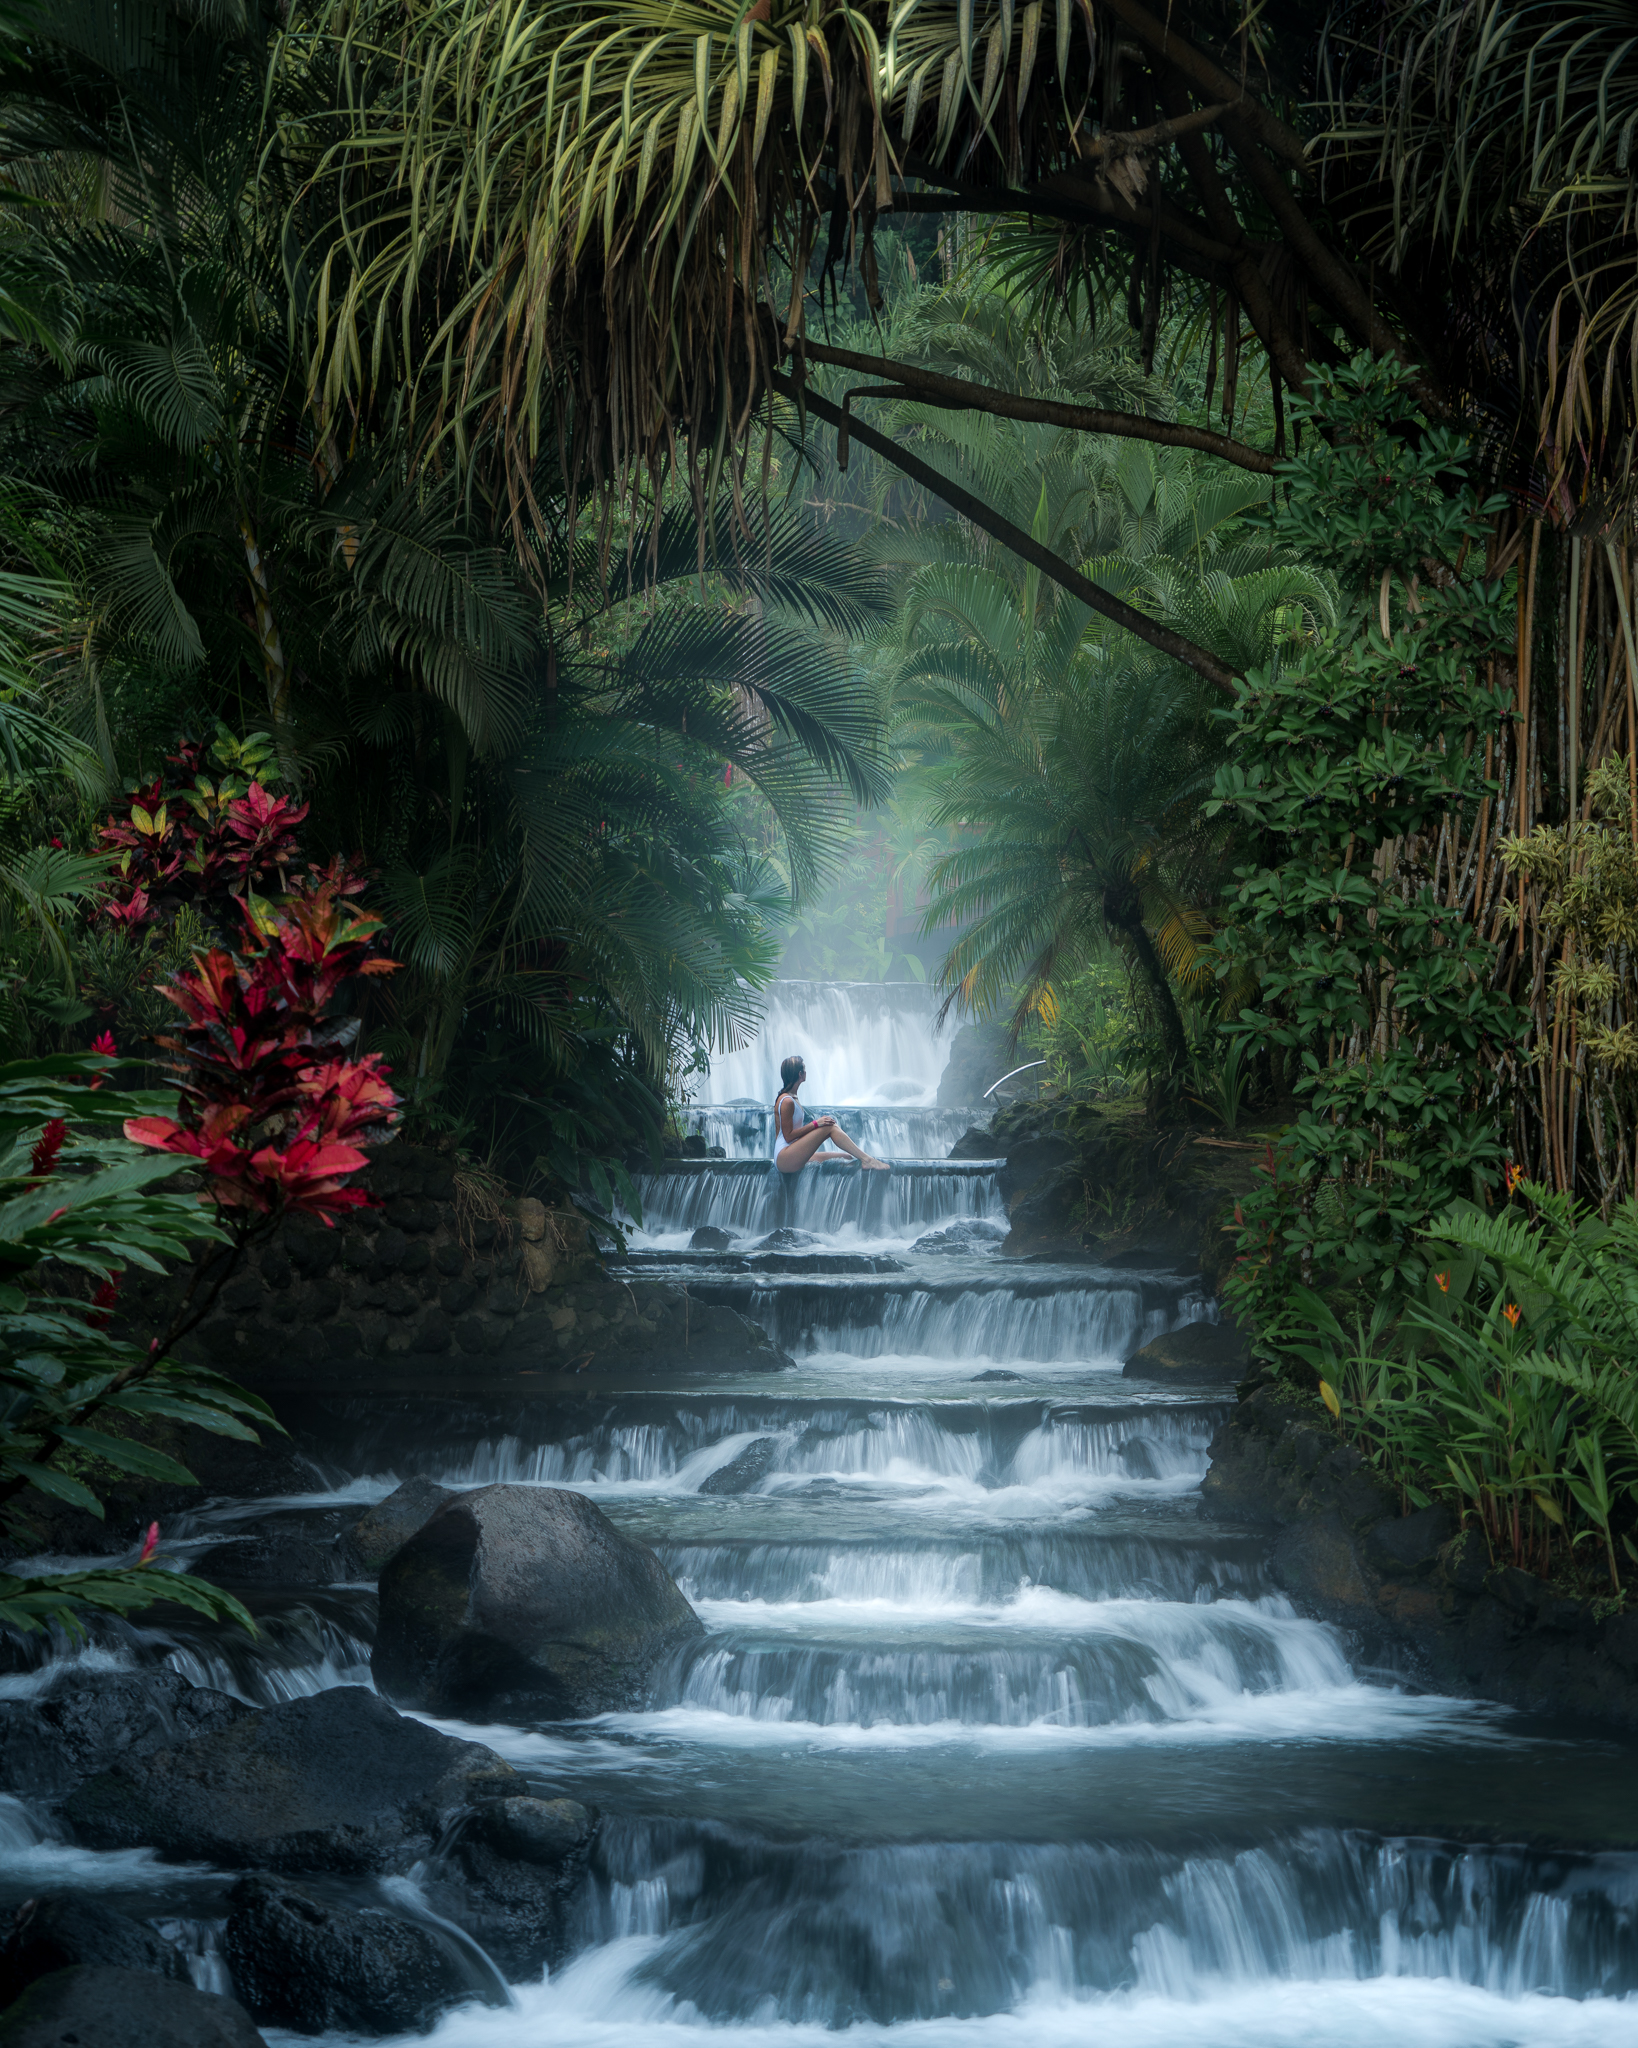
(780, 1140)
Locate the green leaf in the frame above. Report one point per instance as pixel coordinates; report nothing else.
(141, 1459)
(57, 1484)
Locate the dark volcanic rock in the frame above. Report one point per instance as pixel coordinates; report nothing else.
(976, 1143)
(336, 1782)
(511, 1877)
(55, 1934)
(48, 1745)
(108, 2008)
(1198, 1355)
(971, 1234)
(286, 1550)
(548, 1832)
(300, 1961)
(525, 1603)
(379, 1535)
(708, 1238)
(741, 1473)
(786, 1239)
(1034, 1161)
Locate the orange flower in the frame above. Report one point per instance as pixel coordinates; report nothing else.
(1512, 1315)
(1514, 1175)
(1444, 1282)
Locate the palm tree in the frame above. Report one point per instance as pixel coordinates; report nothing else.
(1078, 756)
(546, 756)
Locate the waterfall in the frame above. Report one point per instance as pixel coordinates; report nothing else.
(865, 1042)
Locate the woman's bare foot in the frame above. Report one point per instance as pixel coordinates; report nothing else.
(873, 1165)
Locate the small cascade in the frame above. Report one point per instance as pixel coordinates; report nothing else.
(886, 1936)
(865, 1042)
(1035, 1322)
(746, 1131)
(1124, 1662)
(992, 1445)
(841, 1201)
(956, 1576)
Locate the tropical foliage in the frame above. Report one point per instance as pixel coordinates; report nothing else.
(1351, 756)
(1506, 1387)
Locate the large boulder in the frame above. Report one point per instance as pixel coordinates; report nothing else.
(304, 1962)
(1197, 1355)
(525, 1603)
(55, 1934)
(109, 2008)
(335, 1782)
(510, 1877)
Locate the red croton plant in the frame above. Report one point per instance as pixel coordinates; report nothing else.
(272, 1106)
(205, 830)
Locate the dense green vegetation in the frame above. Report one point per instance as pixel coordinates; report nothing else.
(602, 591)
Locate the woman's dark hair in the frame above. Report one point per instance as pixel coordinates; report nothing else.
(792, 1070)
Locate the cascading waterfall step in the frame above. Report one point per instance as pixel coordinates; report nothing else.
(993, 1739)
(750, 1198)
(888, 1936)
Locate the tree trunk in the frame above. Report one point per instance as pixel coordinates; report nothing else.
(1120, 909)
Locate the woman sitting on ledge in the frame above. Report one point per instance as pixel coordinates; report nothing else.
(795, 1144)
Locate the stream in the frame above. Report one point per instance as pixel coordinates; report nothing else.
(994, 1737)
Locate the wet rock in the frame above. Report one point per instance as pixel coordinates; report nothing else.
(1198, 1355)
(1137, 1456)
(301, 1961)
(996, 1373)
(1033, 1163)
(708, 1238)
(971, 1234)
(55, 1934)
(549, 1832)
(786, 1239)
(48, 1745)
(380, 1533)
(1409, 1545)
(94, 2007)
(338, 1782)
(511, 1877)
(976, 1143)
(287, 1550)
(979, 1056)
(526, 1604)
(741, 1473)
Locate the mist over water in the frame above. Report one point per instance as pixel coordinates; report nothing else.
(865, 1043)
(993, 1739)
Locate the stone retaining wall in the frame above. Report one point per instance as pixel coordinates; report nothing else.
(418, 1289)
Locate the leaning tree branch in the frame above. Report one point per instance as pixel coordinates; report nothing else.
(1212, 83)
(962, 392)
(1162, 638)
(1126, 141)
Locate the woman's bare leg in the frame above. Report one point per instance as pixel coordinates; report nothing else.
(840, 1137)
(794, 1156)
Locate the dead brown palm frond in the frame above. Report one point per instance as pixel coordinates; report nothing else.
(582, 223)
(1496, 136)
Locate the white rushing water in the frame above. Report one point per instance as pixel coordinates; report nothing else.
(992, 1740)
(865, 1043)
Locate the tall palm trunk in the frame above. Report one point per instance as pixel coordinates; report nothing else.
(1123, 913)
